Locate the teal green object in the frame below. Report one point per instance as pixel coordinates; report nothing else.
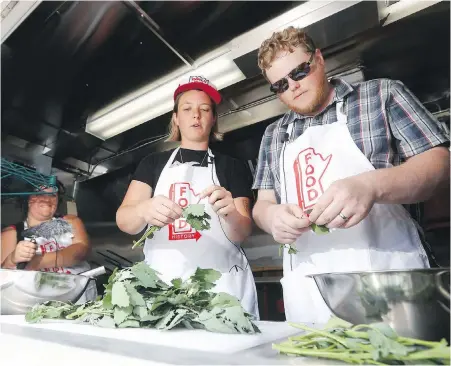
(32, 177)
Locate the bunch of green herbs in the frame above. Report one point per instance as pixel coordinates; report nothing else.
(53, 280)
(195, 216)
(375, 344)
(136, 297)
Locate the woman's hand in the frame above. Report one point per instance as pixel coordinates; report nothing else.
(24, 252)
(220, 199)
(159, 211)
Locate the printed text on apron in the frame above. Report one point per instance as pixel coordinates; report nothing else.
(177, 249)
(386, 239)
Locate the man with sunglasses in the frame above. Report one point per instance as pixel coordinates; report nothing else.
(344, 158)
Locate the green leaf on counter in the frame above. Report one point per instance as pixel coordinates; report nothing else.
(335, 322)
(375, 343)
(121, 313)
(223, 299)
(107, 304)
(172, 319)
(106, 322)
(135, 297)
(225, 320)
(124, 275)
(129, 324)
(205, 276)
(140, 311)
(146, 275)
(178, 299)
(119, 295)
(151, 317)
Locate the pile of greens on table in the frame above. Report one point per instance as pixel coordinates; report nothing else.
(137, 297)
(374, 344)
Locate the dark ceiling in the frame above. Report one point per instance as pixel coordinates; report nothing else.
(70, 58)
(67, 59)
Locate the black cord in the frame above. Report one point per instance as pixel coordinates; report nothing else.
(240, 249)
(285, 184)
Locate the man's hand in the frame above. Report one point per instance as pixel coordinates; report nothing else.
(159, 211)
(345, 203)
(288, 222)
(25, 251)
(220, 199)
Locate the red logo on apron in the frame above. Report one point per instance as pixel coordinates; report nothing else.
(182, 194)
(309, 168)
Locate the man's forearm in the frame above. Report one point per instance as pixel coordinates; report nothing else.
(412, 182)
(262, 214)
(129, 221)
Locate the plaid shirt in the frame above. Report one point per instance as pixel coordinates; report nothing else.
(385, 120)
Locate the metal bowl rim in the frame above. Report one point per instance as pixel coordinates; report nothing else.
(390, 271)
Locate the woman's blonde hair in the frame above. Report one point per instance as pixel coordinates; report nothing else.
(174, 131)
(285, 40)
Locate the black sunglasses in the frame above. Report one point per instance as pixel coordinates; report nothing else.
(298, 73)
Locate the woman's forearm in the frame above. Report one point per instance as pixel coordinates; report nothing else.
(128, 220)
(66, 257)
(236, 226)
(8, 263)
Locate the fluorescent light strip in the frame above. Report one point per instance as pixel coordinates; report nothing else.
(222, 72)
(218, 66)
(403, 9)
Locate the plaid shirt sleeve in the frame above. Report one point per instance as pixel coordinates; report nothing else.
(264, 179)
(414, 127)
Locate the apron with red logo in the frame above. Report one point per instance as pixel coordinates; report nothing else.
(54, 239)
(177, 249)
(386, 239)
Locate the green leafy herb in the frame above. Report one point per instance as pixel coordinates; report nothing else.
(319, 229)
(52, 280)
(195, 216)
(120, 296)
(137, 297)
(376, 344)
(291, 249)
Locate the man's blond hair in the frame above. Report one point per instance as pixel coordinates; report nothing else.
(285, 40)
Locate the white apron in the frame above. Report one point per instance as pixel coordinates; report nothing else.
(386, 239)
(177, 249)
(49, 245)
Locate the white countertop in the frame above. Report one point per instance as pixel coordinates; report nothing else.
(79, 344)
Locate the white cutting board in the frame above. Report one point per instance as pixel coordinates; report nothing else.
(199, 340)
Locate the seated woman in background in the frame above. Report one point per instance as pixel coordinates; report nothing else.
(62, 243)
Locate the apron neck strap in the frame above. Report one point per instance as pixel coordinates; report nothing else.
(289, 129)
(341, 116)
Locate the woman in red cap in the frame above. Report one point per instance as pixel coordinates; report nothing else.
(166, 182)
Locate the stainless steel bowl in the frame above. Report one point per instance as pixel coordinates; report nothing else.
(415, 303)
(20, 290)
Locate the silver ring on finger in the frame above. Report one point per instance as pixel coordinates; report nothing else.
(345, 218)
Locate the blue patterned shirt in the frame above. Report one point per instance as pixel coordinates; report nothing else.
(385, 120)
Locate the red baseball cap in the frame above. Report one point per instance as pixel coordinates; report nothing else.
(198, 83)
